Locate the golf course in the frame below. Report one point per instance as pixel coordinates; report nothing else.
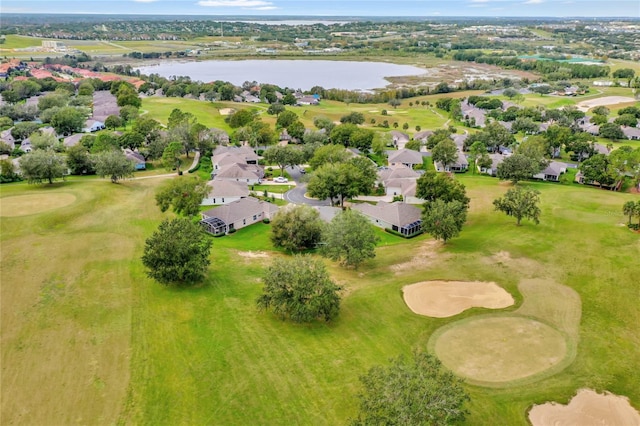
(88, 338)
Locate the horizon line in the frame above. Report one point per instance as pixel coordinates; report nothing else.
(324, 16)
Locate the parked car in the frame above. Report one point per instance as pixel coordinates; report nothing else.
(281, 179)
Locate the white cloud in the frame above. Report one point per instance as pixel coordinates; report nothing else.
(533, 2)
(479, 1)
(263, 8)
(144, 1)
(235, 3)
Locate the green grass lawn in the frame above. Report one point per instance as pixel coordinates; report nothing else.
(276, 189)
(116, 347)
(206, 112)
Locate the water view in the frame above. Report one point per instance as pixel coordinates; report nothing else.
(298, 74)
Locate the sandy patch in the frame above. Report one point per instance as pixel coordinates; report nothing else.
(253, 254)
(607, 100)
(495, 350)
(22, 205)
(587, 408)
(441, 299)
(426, 254)
(374, 111)
(226, 111)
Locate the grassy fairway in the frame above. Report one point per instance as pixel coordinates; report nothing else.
(89, 338)
(206, 112)
(67, 283)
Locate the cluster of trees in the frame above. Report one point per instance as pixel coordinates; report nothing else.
(445, 207)
(45, 165)
(346, 178)
(349, 238)
(610, 170)
(416, 391)
(551, 70)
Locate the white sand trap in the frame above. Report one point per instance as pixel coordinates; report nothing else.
(441, 299)
(607, 100)
(226, 111)
(587, 408)
(253, 254)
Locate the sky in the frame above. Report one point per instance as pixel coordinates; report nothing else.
(415, 8)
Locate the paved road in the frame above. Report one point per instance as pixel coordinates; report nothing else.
(296, 195)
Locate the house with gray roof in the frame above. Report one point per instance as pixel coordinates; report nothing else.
(399, 139)
(423, 135)
(7, 138)
(407, 157)
(224, 192)
(632, 133)
(400, 217)
(136, 158)
(72, 140)
(398, 171)
(459, 166)
(250, 174)
(219, 136)
(492, 170)
(249, 155)
(236, 215)
(552, 172)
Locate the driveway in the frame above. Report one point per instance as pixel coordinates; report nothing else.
(296, 195)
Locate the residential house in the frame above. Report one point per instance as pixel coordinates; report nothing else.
(408, 157)
(136, 158)
(73, 140)
(459, 166)
(219, 136)
(50, 131)
(284, 136)
(236, 215)
(308, 100)
(507, 125)
(224, 192)
(91, 126)
(492, 170)
(459, 140)
(327, 213)
(423, 136)
(475, 116)
(250, 174)
(552, 172)
(632, 133)
(399, 180)
(7, 138)
(588, 127)
(399, 139)
(25, 145)
(400, 217)
(249, 155)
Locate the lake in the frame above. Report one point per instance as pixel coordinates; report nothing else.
(296, 74)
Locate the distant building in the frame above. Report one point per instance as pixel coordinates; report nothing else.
(53, 44)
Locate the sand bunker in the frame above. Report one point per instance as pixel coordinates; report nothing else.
(22, 205)
(607, 100)
(495, 350)
(441, 299)
(587, 408)
(253, 254)
(226, 111)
